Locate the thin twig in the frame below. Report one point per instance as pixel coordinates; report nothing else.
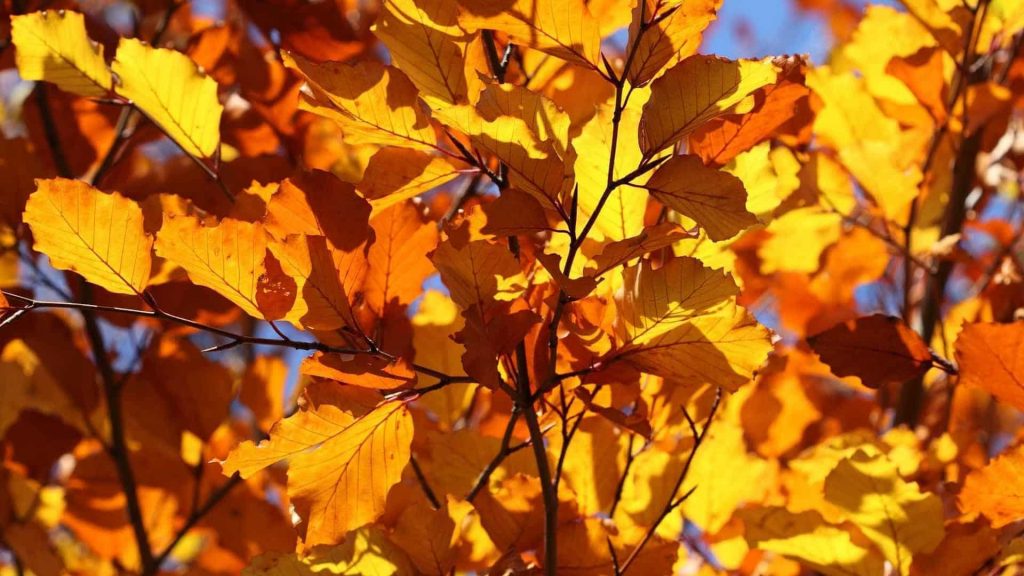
(674, 502)
(427, 490)
(503, 452)
(235, 339)
(198, 514)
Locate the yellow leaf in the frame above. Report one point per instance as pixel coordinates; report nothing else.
(622, 215)
(173, 92)
(682, 322)
(373, 103)
(695, 91)
(716, 200)
(563, 28)
(806, 537)
(227, 258)
(798, 238)
(726, 477)
(98, 235)
(53, 45)
(436, 319)
(422, 37)
(524, 130)
(343, 458)
(594, 463)
(869, 143)
(894, 514)
(365, 552)
(870, 57)
(671, 39)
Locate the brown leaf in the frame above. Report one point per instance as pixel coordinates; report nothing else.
(877, 349)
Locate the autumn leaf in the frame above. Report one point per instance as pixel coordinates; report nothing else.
(100, 235)
(808, 538)
(375, 104)
(715, 199)
(867, 141)
(398, 258)
(366, 552)
(168, 88)
(53, 45)
(329, 444)
(892, 513)
(694, 91)
(477, 271)
(994, 490)
(664, 33)
(681, 321)
(228, 258)
(563, 28)
(877, 349)
(990, 358)
(424, 40)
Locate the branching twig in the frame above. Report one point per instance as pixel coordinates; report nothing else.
(674, 501)
(503, 452)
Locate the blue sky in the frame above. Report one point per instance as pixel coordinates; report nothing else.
(775, 27)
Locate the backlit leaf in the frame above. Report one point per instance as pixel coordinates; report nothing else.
(168, 88)
(53, 45)
(97, 234)
(665, 33)
(332, 444)
(990, 358)
(715, 199)
(375, 104)
(808, 538)
(681, 321)
(227, 257)
(995, 490)
(893, 513)
(694, 91)
(563, 28)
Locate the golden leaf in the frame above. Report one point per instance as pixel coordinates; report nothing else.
(682, 322)
(808, 538)
(227, 258)
(422, 37)
(366, 552)
(373, 103)
(563, 28)
(98, 235)
(53, 45)
(670, 39)
(990, 359)
(995, 490)
(893, 513)
(173, 92)
(343, 458)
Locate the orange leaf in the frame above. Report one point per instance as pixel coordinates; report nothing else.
(990, 358)
(996, 491)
